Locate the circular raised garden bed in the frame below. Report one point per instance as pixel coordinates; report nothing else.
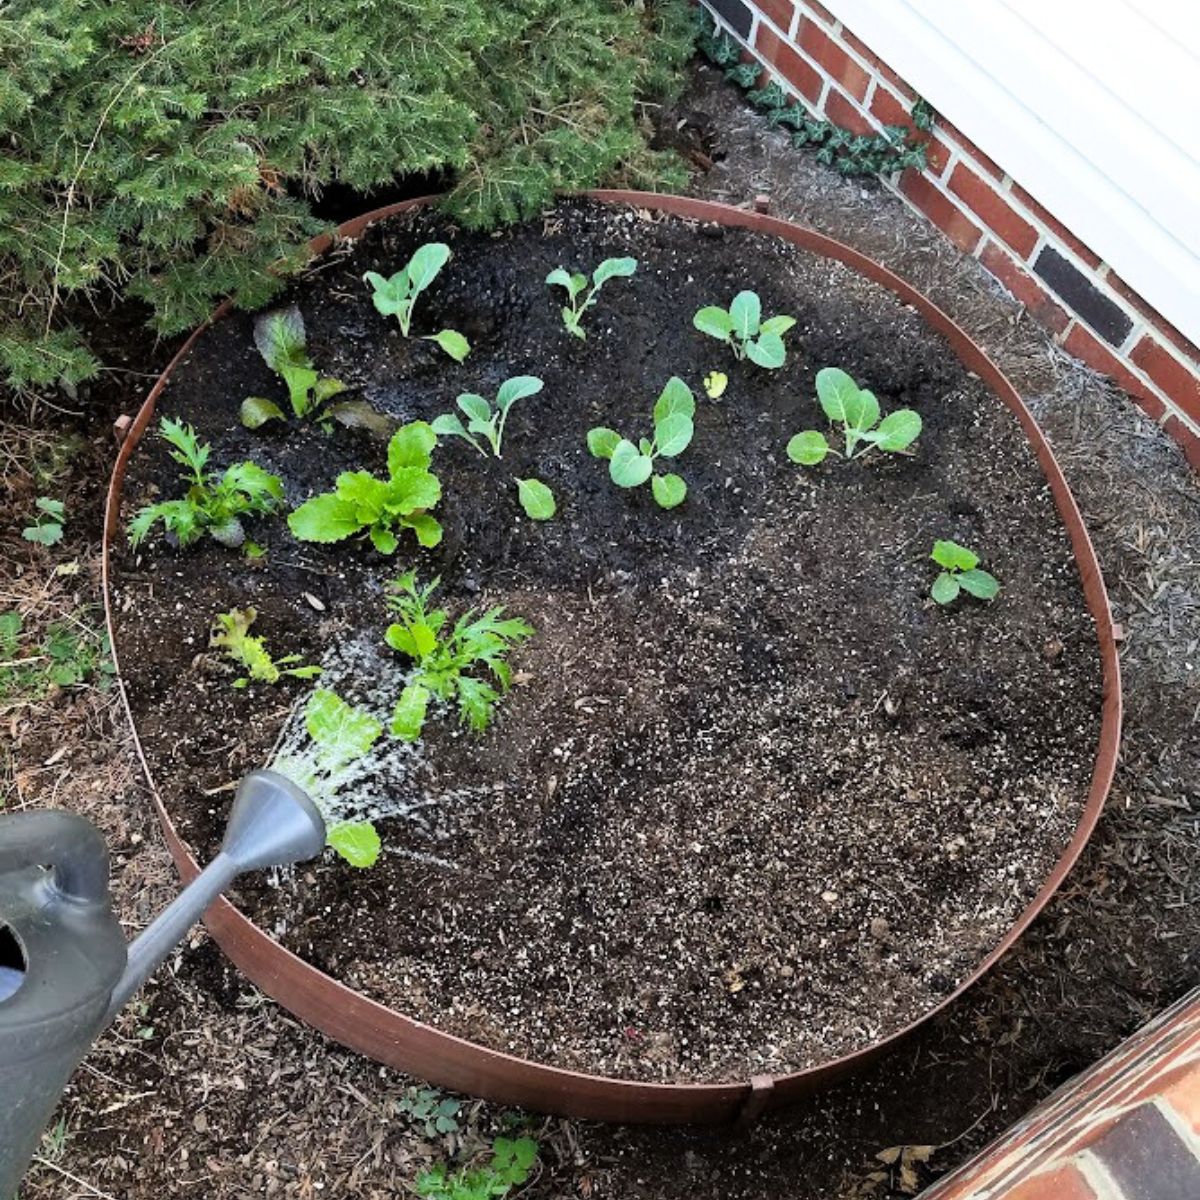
(755, 807)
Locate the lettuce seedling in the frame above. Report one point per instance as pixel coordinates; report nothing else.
(575, 284)
(443, 658)
(631, 465)
(231, 633)
(960, 573)
(510, 1166)
(360, 502)
(397, 296)
(482, 418)
(742, 328)
(857, 411)
(214, 503)
(281, 339)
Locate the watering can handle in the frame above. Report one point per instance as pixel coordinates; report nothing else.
(71, 846)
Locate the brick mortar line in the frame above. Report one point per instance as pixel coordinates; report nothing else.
(1096, 1175)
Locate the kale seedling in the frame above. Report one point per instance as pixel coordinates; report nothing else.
(397, 296)
(960, 573)
(631, 465)
(380, 506)
(857, 411)
(214, 503)
(482, 418)
(443, 657)
(510, 1166)
(280, 338)
(47, 527)
(231, 633)
(745, 332)
(572, 313)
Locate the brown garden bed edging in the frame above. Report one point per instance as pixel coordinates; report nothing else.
(398, 1041)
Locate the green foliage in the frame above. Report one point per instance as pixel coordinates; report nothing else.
(630, 465)
(167, 149)
(960, 573)
(742, 328)
(857, 411)
(281, 339)
(397, 296)
(512, 1160)
(431, 1112)
(536, 499)
(214, 503)
(482, 418)
(231, 633)
(444, 658)
(360, 502)
(47, 527)
(70, 653)
(715, 383)
(356, 841)
(577, 302)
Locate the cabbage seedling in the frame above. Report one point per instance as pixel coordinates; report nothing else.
(857, 410)
(231, 633)
(742, 328)
(960, 573)
(281, 338)
(360, 502)
(482, 419)
(630, 465)
(576, 285)
(397, 296)
(444, 657)
(214, 503)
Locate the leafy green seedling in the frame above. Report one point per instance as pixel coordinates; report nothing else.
(960, 573)
(443, 658)
(742, 328)
(281, 340)
(576, 286)
(397, 296)
(536, 499)
(512, 1161)
(360, 502)
(47, 527)
(231, 633)
(482, 418)
(214, 503)
(715, 383)
(857, 411)
(631, 465)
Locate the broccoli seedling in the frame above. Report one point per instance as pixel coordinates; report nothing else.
(360, 502)
(857, 410)
(214, 502)
(281, 338)
(47, 527)
(742, 328)
(536, 499)
(231, 632)
(630, 465)
(443, 659)
(482, 418)
(575, 284)
(397, 296)
(960, 573)
(510, 1166)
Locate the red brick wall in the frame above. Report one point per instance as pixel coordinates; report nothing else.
(1067, 288)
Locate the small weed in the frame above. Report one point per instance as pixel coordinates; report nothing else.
(397, 296)
(47, 527)
(742, 328)
(857, 410)
(576, 285)
(431, 1112)
(69, 654)
(231, 633)
(512, 1161)
(281, 339)
(960, 573)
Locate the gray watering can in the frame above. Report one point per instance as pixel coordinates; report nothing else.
(65, 970)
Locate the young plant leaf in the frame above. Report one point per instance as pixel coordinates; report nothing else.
(323, 519)
(746, 314)
(954, 557)
(453, 343)
(898, 430)
(675, 399)
(673, 435)
(714, 321)
(280, 338)
(516, 388)
(669, 490)
(808, 448)
(425, 264)
(342, 733)
(561, 278)
(629, 467)
(256, 411)
(777, 325)
(945, 588)
(834, 389)
(356, 841)
(979, 584)
(715, 383)
(536, 499)
(412, 445)
(612, 268)
(767, 350)
(602, 442)
(408, 717)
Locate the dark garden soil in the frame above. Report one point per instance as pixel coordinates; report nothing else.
(754, 801)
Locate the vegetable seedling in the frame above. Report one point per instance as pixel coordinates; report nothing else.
(576, 285)
(214, 503)
(397, 296)
(630, 465)
(482, 418)
(231, 633)
(536, 499)
(280, 338)
(47, 527)
(742, 328)
(510, 1166)
(715, 383)
(960, 573)
(444, 658)
(360, 502)
(857, 411)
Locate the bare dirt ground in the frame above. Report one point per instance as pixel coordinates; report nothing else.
(206, 1089)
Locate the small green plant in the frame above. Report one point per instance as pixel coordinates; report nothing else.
(360, 502)
(576, 284)
(715, 383)
(70, 653)
(482, 419)
(512, 1161)
(47, 527)
(231, 633)
(397, 296)
(444, 658)
(630, 465)
(857, 411)
(430, 1111)
(536, 499)
(214, 503)
(281, 338)
(960, 573)
(742, 328)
